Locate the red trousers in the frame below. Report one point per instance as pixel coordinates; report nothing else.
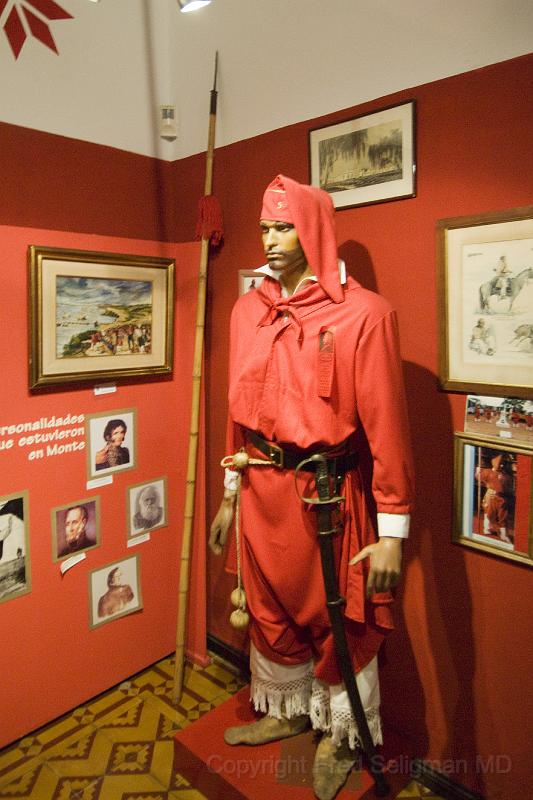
(282, 573)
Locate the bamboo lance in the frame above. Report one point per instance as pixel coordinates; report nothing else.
(188, 517)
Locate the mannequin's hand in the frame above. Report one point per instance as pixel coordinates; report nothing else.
(385, 564)
(221, 524)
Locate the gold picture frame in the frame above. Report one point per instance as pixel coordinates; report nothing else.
(96, 316)
(485, 302)
(493, 484)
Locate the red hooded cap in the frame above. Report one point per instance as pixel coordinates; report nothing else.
(311, 212)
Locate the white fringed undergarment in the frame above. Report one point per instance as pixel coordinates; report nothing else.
(289, 691)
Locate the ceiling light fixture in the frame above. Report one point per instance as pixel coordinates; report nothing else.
(192, 5)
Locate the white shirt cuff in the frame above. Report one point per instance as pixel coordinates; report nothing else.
(396, 525)
(231, 479)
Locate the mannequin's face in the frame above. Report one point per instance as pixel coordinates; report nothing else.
(282, 246)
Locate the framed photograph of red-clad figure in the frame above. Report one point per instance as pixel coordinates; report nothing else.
(485, 302)
(97, 316)
(492, 497)
(366, 159)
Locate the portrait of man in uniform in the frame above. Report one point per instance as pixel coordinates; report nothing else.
(111, 442)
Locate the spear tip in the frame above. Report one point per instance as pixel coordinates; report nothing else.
(216, 72)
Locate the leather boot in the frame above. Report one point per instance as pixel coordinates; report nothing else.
(331, 767)
(266, 729)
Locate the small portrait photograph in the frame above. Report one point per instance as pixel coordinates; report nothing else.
(146, 506)
(493, 497)
(114, 591)
(15, 578)
(75, 527)
(249, 280)
(110, 441)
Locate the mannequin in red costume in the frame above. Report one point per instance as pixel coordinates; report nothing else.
(314, 359)
(497, 498)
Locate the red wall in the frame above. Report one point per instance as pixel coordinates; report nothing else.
(456, 673)
(51, 661)
(49, 181)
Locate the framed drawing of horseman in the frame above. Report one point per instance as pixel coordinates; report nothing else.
(485, 296)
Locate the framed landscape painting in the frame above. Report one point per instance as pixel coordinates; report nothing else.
(98, 316)
(367, 159)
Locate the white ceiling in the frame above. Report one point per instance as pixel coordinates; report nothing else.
(281, 61)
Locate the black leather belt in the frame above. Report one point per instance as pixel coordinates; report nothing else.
(289, 459)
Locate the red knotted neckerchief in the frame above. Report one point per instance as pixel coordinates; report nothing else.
(269, 292)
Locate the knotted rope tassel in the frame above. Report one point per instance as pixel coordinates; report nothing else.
(240, 461)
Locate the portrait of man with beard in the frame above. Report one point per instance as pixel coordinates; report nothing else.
(147, 507)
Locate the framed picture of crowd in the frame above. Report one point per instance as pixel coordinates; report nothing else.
(485, 297)
(98, 316)
(492, 497)
(500, 418)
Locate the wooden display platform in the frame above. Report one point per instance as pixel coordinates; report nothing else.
(276, 771)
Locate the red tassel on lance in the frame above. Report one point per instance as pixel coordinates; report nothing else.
(209, 224)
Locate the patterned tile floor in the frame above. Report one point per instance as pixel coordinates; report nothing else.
(120, 745)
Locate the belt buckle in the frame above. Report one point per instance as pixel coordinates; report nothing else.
(275, 454)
